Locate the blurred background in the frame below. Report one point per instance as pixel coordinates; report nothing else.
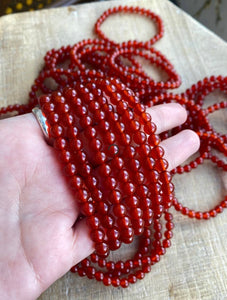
(211, 13)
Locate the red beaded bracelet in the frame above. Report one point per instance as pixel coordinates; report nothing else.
(130, 9)
(97, 122)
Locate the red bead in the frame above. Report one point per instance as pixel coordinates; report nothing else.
(99, 276)
(114, 244)
(124, 283)
(87, 209)
(107, 280)
(59, 143)
(113, 234)
(140, 275)
(115, 282)
(70, 169)
(97, 235)
(93, 222)
(132, 278)
(119, 210)
(102, 249)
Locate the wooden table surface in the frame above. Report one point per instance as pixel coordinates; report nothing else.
(195, 267)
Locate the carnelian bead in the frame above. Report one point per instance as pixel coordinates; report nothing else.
(114, 244)
(95, 144)
(110, 183)
(93, 222)
(91, 182)
(139, 137)
(213, 213)
(124, 283)
(102, 262)
(132, 278)
(129, 264)
(113, 233)
(102, 208)
(127, 235)
(97, 195)
(224, 203)
(206, 215)
(168, 234)
(146, 260)
(72, 132)
(191, 214)
(115, 282)
(146, 241)
(219, 209)
(81, 272)
(87, 209)
(104, 170)
(70, 169)
(119, 210)
(142, 190)
(59, 143)
(53, 118)
(43, 99)
(102, 249)
(148, 214)
(128, 188)
(82, 195)
(123, 175)
(140, 275)
(146, 269)
(90, 272)
(65, 156)
(113, 150)
(74, 269)
(150, 128)
(76, 182)
(115, 196)
(99, 276)
(120, 265)
(129, 151)
(90, 132)
(97, 235)
(131, 201)
(155, 258)
(185, 211)
(85, 121)
(108, 221)
(136, 213)
(169, 225)
(47, 108)
(157, 235)
(123, 222)
(198, 215)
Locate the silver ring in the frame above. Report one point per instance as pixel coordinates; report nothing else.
(42, 120)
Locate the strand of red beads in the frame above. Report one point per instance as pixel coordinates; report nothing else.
(108, 147)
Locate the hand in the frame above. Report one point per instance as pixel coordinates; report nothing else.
(39, 238)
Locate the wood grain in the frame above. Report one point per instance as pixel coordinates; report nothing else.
(195, 267)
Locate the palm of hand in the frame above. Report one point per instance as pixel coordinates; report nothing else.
(37, 210)
(39, 239)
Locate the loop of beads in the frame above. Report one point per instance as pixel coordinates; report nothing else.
(129, 9)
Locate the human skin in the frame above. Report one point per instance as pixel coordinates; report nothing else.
(40, 236)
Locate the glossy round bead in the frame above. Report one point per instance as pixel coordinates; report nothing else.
(102, 249)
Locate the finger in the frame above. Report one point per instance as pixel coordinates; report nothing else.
(180, 147)
(167, 116)
(82, 245)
